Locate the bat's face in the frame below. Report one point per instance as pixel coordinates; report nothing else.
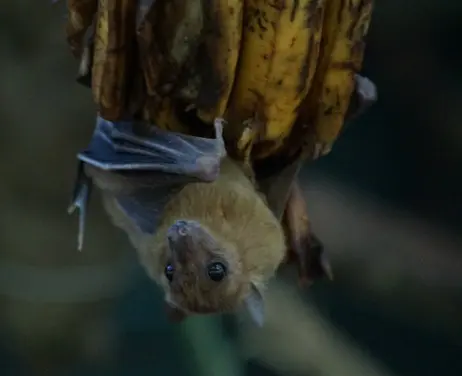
(201, 275)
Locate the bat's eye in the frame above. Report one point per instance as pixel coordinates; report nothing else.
(216, 271)
(169, 271)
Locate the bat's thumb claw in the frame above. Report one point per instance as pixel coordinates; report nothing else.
(80, 199)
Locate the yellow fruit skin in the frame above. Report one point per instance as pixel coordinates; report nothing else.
(278, 59)
(167, 40)
(217, 59)
(347, 23)
(269, 67)
(189, 51)
(162, 112)
(113, 51)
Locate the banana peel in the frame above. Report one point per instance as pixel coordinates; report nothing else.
(284, 75)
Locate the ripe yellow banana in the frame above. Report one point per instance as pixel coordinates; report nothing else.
(189, 52)
(115, 31)
(278, 59)
(162, 111)
(218, 56)
(346, 25)
(167, 38)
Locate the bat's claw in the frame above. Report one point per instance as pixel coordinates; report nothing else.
(80, 197)
(311, 259)
(305, 248)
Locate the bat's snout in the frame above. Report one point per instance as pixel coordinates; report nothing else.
(180, 236)
(180, 229)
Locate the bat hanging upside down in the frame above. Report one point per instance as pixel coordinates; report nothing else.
(203, 232)
(206, 231)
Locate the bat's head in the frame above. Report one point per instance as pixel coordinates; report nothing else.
(203, 274)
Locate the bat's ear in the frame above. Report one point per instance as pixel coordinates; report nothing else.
(254, 305)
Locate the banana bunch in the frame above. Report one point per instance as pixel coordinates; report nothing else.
(281, 72)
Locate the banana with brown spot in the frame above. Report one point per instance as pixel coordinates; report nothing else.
(115, 30)
(347, 23)
(217, 60)
(168, 38)
(278, 59)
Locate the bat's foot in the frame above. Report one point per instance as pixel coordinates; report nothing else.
(305, 248)
(364, 96)
(80, 197)
(321, 148)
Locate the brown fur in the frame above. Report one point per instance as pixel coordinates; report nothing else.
(240, 230)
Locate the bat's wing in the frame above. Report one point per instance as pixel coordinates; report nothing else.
(143, 172)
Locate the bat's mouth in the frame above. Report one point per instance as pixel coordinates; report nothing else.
(194, 309)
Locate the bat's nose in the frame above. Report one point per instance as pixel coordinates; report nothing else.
(182, 230)
(181, 239)
(179, 228)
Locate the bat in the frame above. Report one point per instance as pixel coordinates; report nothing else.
(201, 229)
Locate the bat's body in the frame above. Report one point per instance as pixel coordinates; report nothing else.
(213, 243)
(227, 222)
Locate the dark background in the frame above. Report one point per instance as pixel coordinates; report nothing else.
(386, 202)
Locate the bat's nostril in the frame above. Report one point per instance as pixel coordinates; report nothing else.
(183, 229)
(180, 227)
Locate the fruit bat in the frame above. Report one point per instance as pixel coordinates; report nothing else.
(202, 231)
